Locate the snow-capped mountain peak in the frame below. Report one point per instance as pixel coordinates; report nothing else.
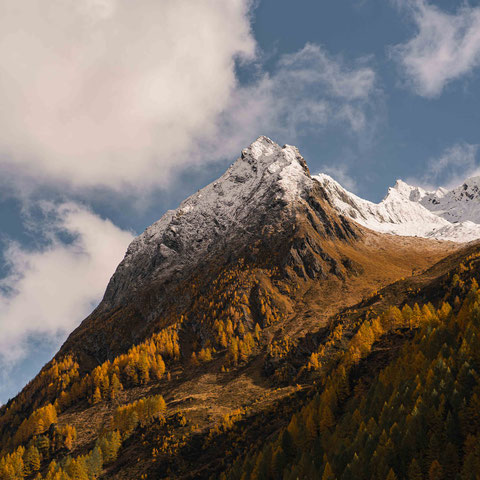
(261, 188)
(404, 189)
(413, 211)
(262, 167)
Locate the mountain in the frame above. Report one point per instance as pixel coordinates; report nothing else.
(412, 211)
(254, 333)
(265, 210)
(457, 205)
(251, 213)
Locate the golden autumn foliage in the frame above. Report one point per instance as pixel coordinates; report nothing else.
(50, 382)
(141, 412)
(140, 365)
(35, 424)
(338, 425)
(26, 460)
(422, 405)
(227, 422)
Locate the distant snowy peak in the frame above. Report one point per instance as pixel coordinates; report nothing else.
(459, 204)
(412, 211)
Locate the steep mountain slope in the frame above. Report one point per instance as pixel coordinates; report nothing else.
(217, 307)
(400, 401)
(347, 357)
(412, 211)
(266, 210)
(250, 212)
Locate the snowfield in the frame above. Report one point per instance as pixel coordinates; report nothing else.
(412, 211)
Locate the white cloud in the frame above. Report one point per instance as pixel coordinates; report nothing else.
(308, 91)
(459, 157)
(112, 92)
(50, 289)
(121, 94)
(445, 47)
(313, 65)
(341, 175)
(451, 168)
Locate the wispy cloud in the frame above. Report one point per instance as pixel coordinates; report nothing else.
(307, 92)
(52, 287)
(445, 47)
(341, 175)
(451, 168)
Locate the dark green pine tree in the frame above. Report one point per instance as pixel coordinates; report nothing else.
(95, 463)
(414, 471)
(288, 446)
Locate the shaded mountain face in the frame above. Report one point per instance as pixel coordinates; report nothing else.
(412, 211)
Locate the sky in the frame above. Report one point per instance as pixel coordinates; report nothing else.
(113, 112)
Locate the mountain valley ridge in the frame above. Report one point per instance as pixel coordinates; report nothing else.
(274, 326)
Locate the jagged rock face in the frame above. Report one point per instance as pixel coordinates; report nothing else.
(265, 208)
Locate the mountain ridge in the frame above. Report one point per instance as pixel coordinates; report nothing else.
(265, 208)
(412, 211)
(253, 211)
(264, 174)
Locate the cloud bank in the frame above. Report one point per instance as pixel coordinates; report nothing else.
(120, 94)
(112, 92)
(445, 47)
(50, 289)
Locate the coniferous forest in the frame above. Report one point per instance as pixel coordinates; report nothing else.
(386, 392)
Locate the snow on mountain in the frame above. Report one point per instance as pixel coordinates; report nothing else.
(412, 211)
(259, 190)
(458, 205)
(264, 170)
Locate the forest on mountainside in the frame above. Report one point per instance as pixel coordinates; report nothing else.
(385, 392)
(418, 419)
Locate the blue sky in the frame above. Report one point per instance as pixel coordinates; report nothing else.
(103, 129)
